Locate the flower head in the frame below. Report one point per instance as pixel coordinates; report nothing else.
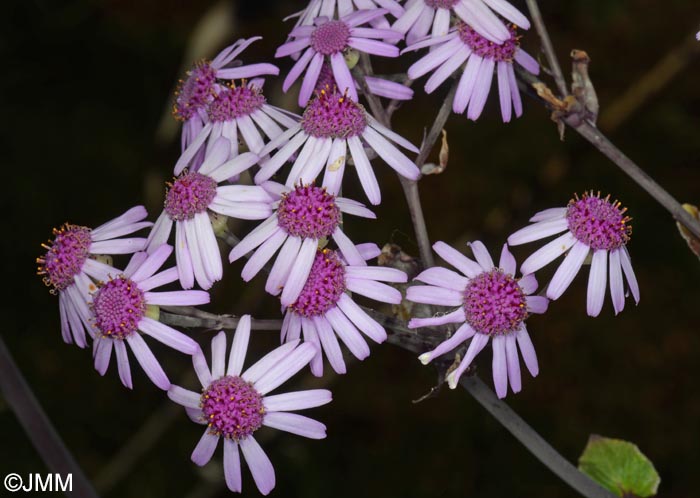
(203, 83)
(70, 268)
(324, 310)
(482, 15)
(234, 405)
(119, 312)
(327, 41)
(464, 44)
(305, 216)
(188, 201)
(591, 224)
(237, 113)
(331, 124)
(492, 305)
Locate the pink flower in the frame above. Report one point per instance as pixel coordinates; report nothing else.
(328, 40)
(187, 204)
(332, 124)
(492, 305)
(325, 310)
(119, 311)
(463, 44)
(591, 224)
(70, 268)
(304, 216)
(201, 85)
(422, 15)
(234, 405)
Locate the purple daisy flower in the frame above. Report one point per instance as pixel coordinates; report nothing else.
(324, 309)
(463, 44)
(592, 225)
(120, 309)
(330, 125)
(327, 40)
(327, 8)
(493, 304)
(234, 405)
(69, 266)
(237, 111)
(304, 216)
(201, 85)
(422, 15)
(187, 204)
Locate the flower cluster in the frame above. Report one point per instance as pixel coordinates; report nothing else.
(246, 159)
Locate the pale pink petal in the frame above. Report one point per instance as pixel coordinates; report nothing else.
(205, 448)
(617, 289)
(286, 368)
(148, 362)
(597, 282)
(348, 333)
(240, 346)
(539, 230)
(362, 320)
(330, 344)
(428, 294)
(548, 253)
(232, 466)
(528, 351)
(259, 464)
(513, 363)
(456, 316)
(499, 367)
(568, 269)
(168, 336)
(467, 266)
(297, 400)
(264, 364)
(463, 333)
(184, 397)
(295, 424)
(626, 263)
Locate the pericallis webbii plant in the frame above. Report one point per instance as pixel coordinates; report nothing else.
(298, 163)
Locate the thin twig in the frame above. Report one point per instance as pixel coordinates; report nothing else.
(38, 427)
(535, 444)
(189, 316)
(547, 47)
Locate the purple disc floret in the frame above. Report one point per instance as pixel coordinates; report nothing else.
(234, 102)
(189, 194)
(598, 223)
(494, 303)
(334, 115)
(233, 407)
(65, 256)
(119, 305)
(324, 286)
(308, 211)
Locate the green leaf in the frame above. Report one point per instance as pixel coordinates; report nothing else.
(619, 466)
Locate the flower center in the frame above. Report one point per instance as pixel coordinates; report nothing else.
(494, 303)
(65, 256)
(232, 407)
(330, 38)
(332, 115)
(194, 92)
(234, 102)
(486, 48)
(323, 288)
(441, 4)
(598, 223)
(308, 212)
(119, 306)
(189, 194)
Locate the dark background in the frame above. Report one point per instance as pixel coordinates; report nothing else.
(84, 86)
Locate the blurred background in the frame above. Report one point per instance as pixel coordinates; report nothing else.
(86, 91)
